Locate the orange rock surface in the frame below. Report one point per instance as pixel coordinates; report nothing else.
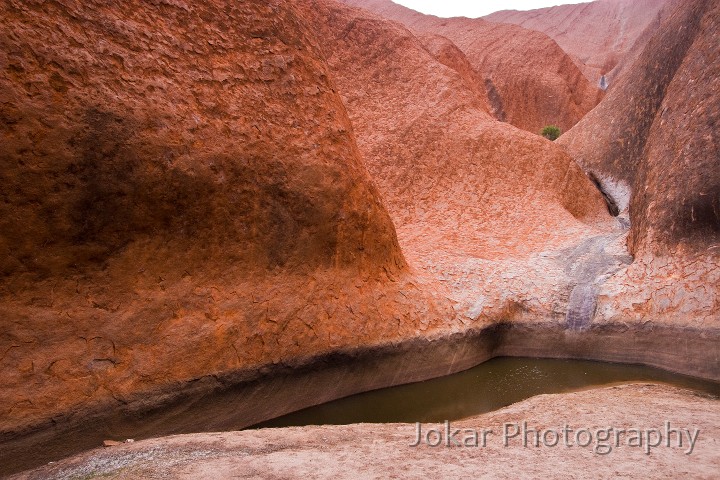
(651, 145)
(473, 199)
(185, 199)
(182, 196)
(206, 193)
(597, 35)
(529, 80)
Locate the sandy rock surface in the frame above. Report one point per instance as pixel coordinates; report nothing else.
(182, 196)
(482, 209)
(651, 146)
(384, 451)
(200, 195)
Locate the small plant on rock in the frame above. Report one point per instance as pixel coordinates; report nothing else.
(551, 132)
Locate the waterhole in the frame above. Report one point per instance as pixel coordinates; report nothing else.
(487, 387)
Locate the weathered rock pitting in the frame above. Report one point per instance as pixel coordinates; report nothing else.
(651, 144)
(201, 197)
(475, 202)
(182, 197)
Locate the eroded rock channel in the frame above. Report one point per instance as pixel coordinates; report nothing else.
(588, 266)
(490, 386)
(294, 202)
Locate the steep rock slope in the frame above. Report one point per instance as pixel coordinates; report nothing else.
(447, 53)
(182, 199)
(187, 209)
(599, 35)
(610, 140)
(482, 209)
(683, 150)
(530, 81)
(660, 157)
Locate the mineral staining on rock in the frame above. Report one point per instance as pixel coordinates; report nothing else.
(179, 182)
(659, 146)
(197, 195)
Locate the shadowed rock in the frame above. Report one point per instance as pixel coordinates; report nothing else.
(655, 137)
(205, 197)
(182, 197)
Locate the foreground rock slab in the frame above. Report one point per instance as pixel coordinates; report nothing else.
(384, 451)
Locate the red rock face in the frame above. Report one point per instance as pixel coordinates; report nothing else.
(610, 140)
(529, 81)
(96, 115)
(185, 198)
(651, 143)
(182, 196)
(195, 195)
(447, 53)
(597, 35)
(682, 151)
(675, 208)
(473, 199)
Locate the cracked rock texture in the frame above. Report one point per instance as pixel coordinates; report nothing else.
(452, 177)
(200, 195)
(182, 196)
(653, 145)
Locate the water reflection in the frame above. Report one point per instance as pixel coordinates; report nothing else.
(492, 385)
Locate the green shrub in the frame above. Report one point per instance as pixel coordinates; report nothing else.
(551, 132)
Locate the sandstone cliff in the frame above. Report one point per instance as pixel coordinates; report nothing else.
(186, 199)
(303, 200)
(651, 144)
(529, 80)
(480, 207)
(597, 35)
(182, 198)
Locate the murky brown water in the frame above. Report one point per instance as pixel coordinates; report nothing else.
(490, 386)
